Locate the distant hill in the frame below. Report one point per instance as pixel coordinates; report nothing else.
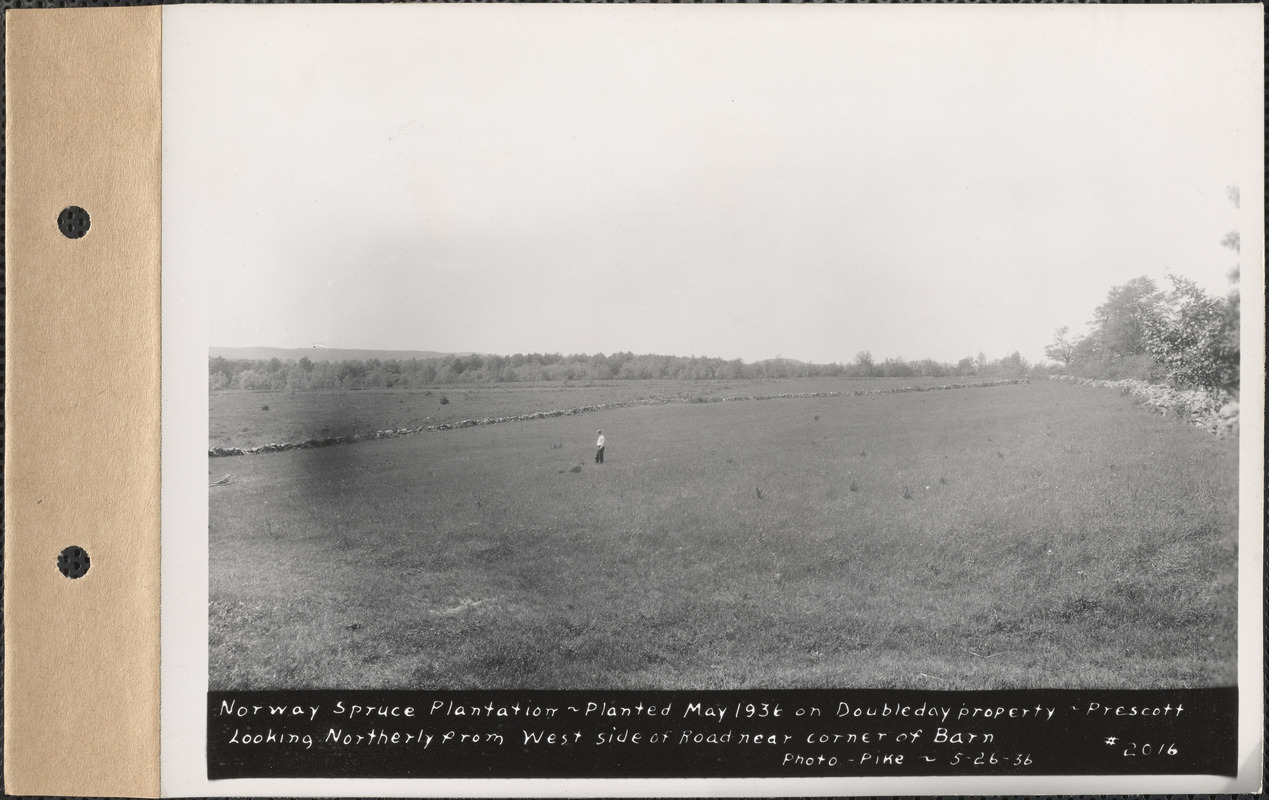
(323, 353)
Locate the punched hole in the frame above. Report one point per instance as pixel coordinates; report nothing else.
(73, 222)
(73, 562)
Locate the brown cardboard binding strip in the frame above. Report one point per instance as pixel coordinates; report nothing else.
(82, 402)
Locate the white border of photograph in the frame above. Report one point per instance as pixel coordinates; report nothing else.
(186, 325)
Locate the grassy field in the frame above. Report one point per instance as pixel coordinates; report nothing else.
(1042, 535)
(246, 419)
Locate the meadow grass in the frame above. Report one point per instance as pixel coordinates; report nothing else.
(1043, 535)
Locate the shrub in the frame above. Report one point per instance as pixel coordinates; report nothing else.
(444, 400)
(1195, 341)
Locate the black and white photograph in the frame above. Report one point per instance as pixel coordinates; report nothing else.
(690, 350)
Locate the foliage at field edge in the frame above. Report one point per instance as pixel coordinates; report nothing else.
(294, 375)
(1210, 411)
(1183, 337)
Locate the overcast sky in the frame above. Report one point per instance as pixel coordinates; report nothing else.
(741, 182)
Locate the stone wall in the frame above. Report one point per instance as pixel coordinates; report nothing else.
(220, 452)
(1215, 412)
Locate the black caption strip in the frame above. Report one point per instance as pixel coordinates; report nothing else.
(768, 734)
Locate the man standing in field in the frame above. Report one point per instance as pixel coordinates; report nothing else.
(599, 449)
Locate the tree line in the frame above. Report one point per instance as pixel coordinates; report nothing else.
(1182, 335)
(304, 374)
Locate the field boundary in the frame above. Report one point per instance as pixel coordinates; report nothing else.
(682, 397)
(1212, 412)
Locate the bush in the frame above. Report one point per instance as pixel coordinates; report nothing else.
(1195, 341)
(1140, 367)
(444, 400)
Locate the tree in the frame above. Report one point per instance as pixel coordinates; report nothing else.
(1116, 345)
(296, 379)
(1014, 365)
(1195, 338)
(252, 380)
(1119, 324)
(897, 368)
(1233, 241)
(929, 368)
(1063, 347)
(867, 368)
